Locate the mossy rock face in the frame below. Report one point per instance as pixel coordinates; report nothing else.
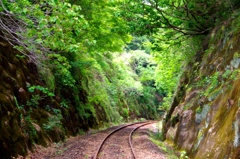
(100, 113)
(20, 124)
(56, 134)
(12, 136)
(208, 106)
(5, 127)
(6, 102)
(1, 69)
(69, 122)
(22, 95)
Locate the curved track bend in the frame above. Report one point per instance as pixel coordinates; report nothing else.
(122, 128)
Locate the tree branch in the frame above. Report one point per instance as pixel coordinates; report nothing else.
(182, 30)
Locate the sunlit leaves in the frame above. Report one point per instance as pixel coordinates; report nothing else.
(60, 66)
(172, 56)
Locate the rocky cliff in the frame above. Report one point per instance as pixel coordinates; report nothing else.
(204, 118)
(28, 116)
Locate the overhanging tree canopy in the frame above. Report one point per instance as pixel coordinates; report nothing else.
(187, 17)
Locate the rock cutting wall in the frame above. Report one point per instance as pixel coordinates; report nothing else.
(204, 118)
(21, 122)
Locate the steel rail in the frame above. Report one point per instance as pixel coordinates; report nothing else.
(130, 136)
(111, 133)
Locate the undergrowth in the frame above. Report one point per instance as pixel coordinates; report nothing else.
(156, 138)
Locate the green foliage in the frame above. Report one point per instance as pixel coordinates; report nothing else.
(209, 84)
(177, 26)
(34, 101)
(107, 27)
(214, 85)
(171, 60)
(48, 77)
(53, 122)
(116, 91)
(199, 110)
(64, 103)
(61, 70)
(28, 128)
(37, 98)
(44, 90)
(140, 43)
(72, 40)
(156, 137)
(167, 101)
(20, 56)
(183, 155)
(16, 102)
(188, 18)
(144, 67)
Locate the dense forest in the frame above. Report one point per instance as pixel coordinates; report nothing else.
(70, 65)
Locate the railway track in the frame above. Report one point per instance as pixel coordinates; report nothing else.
(121, 128)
